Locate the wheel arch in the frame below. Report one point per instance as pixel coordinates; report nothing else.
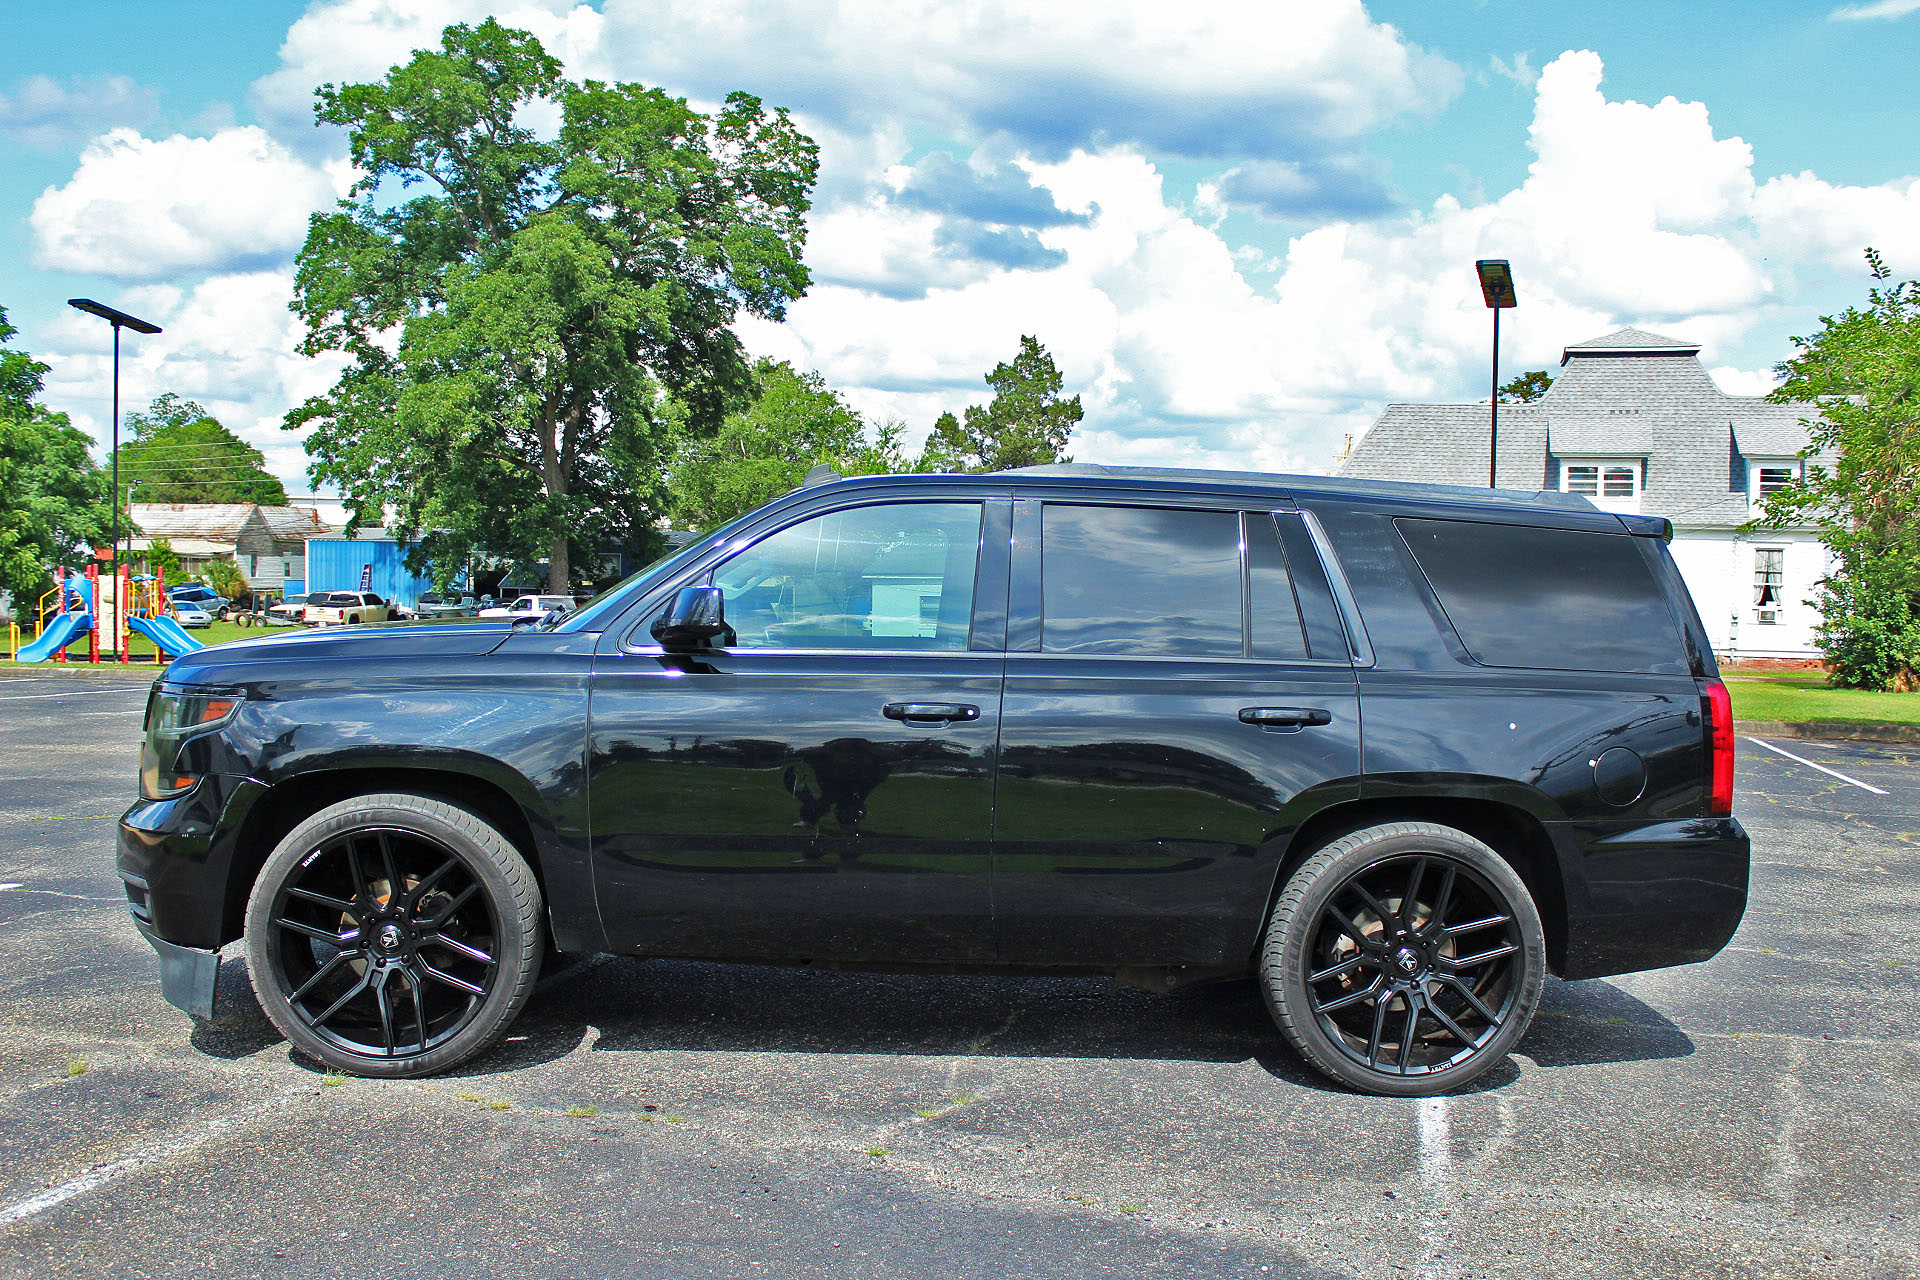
(288, 803)
(1509, 830)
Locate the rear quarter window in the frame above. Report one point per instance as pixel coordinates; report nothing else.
(1558, 599)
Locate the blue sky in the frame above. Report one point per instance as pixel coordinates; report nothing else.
(1241, 230)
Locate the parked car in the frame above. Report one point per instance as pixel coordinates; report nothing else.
(1397, 752)
(191, 614)
(530, 607)
(344, 608)
(435, 605)
(207, 598)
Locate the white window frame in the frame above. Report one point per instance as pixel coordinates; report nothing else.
(1794, 468)
(1765, 614)
(1600, 472)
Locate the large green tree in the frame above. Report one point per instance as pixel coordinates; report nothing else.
(795, 423)
(1861, 488)
(1027, 424)
(178, 452)
(1526, 388)
(53, 497)
(524, 330)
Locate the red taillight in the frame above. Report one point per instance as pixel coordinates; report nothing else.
(1719, 712)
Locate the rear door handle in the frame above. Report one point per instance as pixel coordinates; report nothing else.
(1285, 717)
(931, 712)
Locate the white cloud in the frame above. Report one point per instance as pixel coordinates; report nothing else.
(143, 208)
(45, 114)
(1743, 382)
(1631, 213)
(228, 342)
(1249, 78)
(1887, 9)
(1806, 219)
(1521, 70)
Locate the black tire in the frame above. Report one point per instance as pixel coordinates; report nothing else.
(459, 945)
(1409, 930)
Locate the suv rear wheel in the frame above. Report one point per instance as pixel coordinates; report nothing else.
(1405, 959)
(393, 935)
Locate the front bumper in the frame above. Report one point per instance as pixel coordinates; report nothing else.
(1650, 896)
(188, 975)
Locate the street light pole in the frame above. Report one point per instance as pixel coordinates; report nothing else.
(119, 320)
(1496, 287)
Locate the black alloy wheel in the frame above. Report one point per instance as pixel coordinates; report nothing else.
(1405, 959)
(393, 935)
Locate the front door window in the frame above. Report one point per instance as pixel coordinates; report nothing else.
(897, 576)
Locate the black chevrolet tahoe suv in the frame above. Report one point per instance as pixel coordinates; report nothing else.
(1396, 752)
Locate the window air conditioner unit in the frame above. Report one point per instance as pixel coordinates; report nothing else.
(1767, 617)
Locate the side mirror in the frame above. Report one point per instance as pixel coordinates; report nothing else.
(696, 618)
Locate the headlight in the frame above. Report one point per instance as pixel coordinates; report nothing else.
(173, 717)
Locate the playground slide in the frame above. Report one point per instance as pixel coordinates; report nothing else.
(167, 635)
(61, 632)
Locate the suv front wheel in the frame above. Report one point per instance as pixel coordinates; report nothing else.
(1404, 959)
(393, 935)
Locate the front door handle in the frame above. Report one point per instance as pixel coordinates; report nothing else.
(1285, 717)
(931, 712)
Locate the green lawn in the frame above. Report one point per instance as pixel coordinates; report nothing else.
(1806, 696)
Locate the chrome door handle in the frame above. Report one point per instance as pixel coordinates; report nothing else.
(1285, 717)
(931, 712)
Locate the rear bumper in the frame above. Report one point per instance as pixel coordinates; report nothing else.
(1650, 896)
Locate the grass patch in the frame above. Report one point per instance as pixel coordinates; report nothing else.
(878, 1153)
(927, 1113)
(76, 1067)
(581, 1113)
(1807, 696)
(332, 1080)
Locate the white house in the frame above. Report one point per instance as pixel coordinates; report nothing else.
(1634, 422)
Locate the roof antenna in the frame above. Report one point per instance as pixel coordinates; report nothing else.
(820, 475)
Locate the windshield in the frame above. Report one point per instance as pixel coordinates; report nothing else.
(597, 612)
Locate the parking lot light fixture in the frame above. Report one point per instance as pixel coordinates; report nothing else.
(1496, 287)
(119, 320)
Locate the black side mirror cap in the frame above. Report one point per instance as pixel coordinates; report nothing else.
(696, 617)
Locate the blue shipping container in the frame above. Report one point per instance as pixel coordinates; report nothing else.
(378, 565)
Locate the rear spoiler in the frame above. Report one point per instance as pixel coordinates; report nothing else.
(1648, 526)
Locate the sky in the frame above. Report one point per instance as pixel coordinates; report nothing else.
(1241, 229)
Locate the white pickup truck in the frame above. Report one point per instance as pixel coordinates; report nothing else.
(530, 607)
(344, 608)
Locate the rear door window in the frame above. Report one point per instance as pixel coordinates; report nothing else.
(1141, 581)
(1520, 596)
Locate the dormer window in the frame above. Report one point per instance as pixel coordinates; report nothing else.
(1774, 479)
(1617, 482)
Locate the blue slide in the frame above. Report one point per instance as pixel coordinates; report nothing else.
(60, 633)
(167, 635)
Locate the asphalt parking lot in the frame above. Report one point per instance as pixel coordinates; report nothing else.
(1758, 1115)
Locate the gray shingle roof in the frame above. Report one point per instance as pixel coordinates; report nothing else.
(1617, 433)
(1631, 340)
(1627, 394)
(1770, 430)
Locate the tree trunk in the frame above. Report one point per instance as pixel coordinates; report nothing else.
(558, 570)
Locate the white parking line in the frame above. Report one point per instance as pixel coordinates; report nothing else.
(137, 1159)
(1815, 765)
(1439, 1252)
(71, 693)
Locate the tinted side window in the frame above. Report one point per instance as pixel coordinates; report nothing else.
(1556, 598)
(897, 576)
(1140, 580)
(1273, 615)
